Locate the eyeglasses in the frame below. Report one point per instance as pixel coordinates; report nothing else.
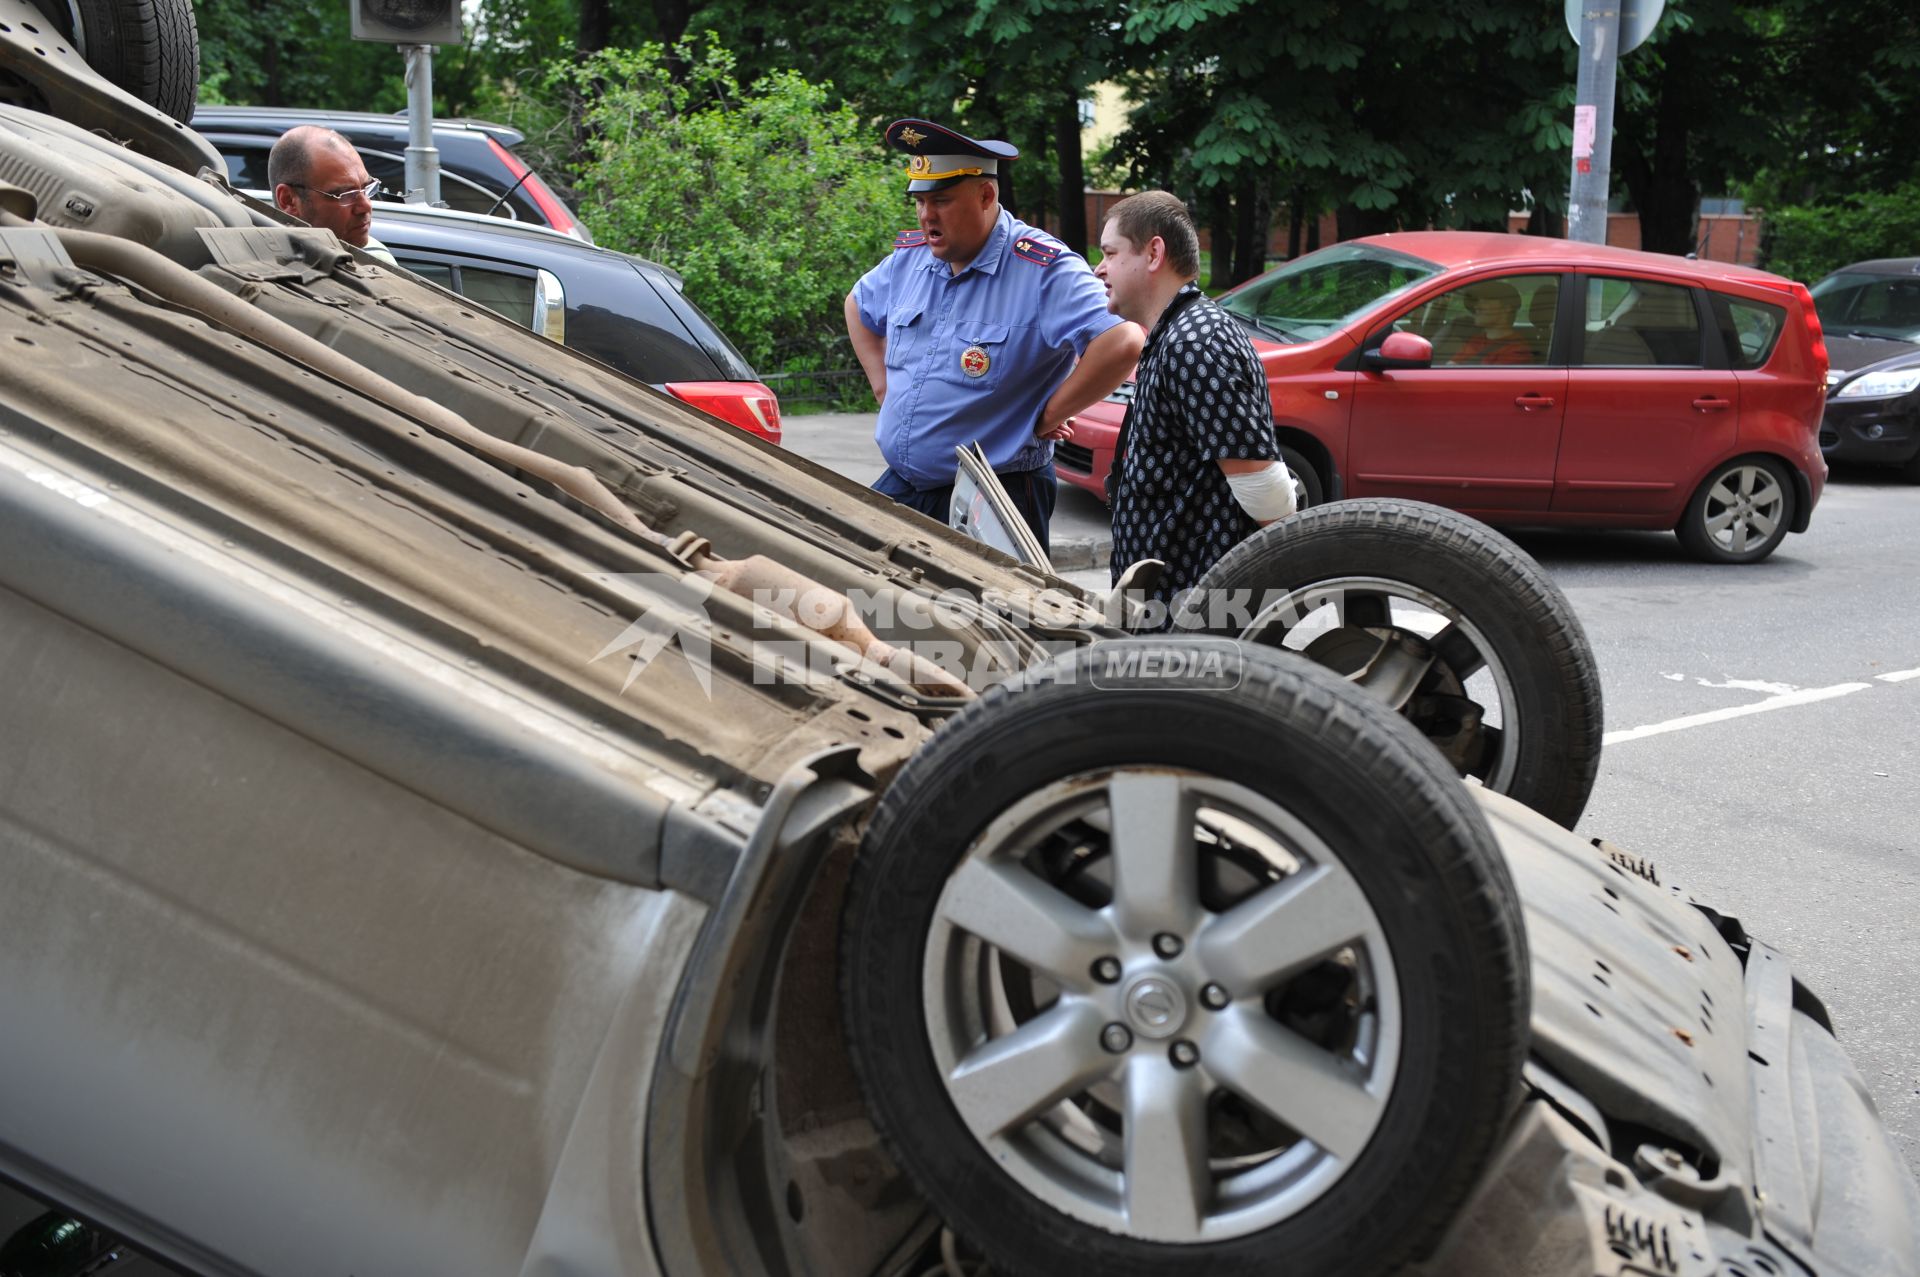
(370, 192)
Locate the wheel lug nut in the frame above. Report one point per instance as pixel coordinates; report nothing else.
(1184, 1054)
(1116, 1038)
(1167, 945)
(1107, 970)
(1214, 998)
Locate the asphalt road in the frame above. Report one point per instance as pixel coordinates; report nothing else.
(1763, 748)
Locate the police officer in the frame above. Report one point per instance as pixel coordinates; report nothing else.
(970, 331)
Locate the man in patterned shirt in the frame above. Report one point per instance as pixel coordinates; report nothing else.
(1201, 468)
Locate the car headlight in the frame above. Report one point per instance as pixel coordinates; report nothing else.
(1881, 385)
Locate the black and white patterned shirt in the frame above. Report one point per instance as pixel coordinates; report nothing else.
(1200, 396)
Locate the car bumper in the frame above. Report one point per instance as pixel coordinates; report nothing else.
(1872, 431)
(1085, 461)
(1682, 1083)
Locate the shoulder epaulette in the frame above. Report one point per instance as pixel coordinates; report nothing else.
(1039, 252)
(909, 239)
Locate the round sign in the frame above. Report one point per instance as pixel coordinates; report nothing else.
(1638, 18)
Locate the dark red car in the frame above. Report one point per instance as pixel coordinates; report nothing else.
(1536, 381)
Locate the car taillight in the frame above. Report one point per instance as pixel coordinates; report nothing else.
(746, 404)
(1804, 296)
(558, 215)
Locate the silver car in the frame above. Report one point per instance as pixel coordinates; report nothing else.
(463, 811)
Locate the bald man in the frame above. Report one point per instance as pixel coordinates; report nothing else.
(319, 178)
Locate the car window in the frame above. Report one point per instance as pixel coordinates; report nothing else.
(1638, 323)
(1308, 299)
(439, 272)
(1887, 308)
(1748, 329)
(246, 166)
(1508, 319)
(508, 293)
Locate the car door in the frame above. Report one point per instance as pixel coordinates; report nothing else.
(1646, 413)
(1479, 429)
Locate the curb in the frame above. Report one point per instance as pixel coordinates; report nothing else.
(1073, 554)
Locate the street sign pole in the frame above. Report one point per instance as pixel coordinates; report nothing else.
(1593, 121)
(423, 158)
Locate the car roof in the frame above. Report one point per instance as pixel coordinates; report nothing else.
(1470, 248)
(1882, 266)
(505, 237)
(278, 119)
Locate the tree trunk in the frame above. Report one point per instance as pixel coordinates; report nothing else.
(1073, 174)
(1296, 216)
(1220, 223)
(1254, 215)
(1352, 223)
(1544, 221)
(1656, 170)
(596, 25)
(1313, 233)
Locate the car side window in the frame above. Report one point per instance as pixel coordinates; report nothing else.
(1505, 320)
(498, 290)
(247, 167)
(1636, 323)
(1748, 328)
(439, 272)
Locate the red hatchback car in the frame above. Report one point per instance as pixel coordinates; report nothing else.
(1535, 381)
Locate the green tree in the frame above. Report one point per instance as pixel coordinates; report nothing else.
(768, 199)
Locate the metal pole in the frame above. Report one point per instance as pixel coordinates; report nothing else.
(1593, 121)
(423, 161)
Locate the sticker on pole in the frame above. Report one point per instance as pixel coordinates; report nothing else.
(1586, 127)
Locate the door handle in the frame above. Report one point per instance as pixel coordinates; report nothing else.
(1533, 402)
(1712, 403)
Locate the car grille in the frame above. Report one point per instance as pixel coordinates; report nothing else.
(1073, 457)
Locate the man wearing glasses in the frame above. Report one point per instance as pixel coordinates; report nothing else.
(317, 177)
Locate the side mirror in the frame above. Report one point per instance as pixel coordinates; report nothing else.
(1400, 350)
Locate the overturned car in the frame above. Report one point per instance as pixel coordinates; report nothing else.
(463, 811)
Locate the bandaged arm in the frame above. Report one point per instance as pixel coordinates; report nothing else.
(1265, 492)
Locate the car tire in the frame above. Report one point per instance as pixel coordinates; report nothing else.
(1743, 497)
(1006, 1065)
(150, 48)
(1507, 640)
(1308, 489)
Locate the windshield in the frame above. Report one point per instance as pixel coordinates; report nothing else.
(1309, 298)
(1869, 306)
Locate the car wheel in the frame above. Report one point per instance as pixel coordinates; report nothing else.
(1143, 979)
(1307, 488)
(1740, 514)
(150, 48)
(1440, 616)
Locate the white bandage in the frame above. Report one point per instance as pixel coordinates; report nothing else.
(1266, 494)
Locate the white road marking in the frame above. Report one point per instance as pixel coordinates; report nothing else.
(1898, 676)
(1784, 701)
(1751, 685)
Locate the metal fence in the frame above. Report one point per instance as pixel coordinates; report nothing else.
(837, 388)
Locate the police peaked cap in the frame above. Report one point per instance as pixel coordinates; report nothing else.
(942, 157)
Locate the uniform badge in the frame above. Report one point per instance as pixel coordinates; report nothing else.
(912, 137)
(919, 164)
(974, 362)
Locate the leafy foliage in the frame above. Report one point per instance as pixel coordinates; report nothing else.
(767, 198)
(1808, 241)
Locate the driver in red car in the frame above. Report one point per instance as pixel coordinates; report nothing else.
(1495, 305)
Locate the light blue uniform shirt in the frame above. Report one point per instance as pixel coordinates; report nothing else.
(975, 356)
